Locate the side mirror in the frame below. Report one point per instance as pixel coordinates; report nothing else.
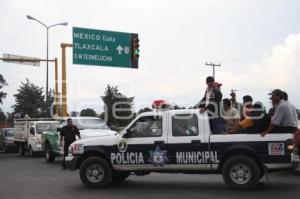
(32, 132)
(58, 129)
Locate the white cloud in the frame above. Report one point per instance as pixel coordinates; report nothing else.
(280, 69)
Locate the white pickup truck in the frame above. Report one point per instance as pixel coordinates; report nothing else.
(28, 134)
(180, 141)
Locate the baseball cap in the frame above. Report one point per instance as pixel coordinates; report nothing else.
(276, 92)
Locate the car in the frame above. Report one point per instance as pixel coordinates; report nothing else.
(180, 141)
(7, 140)
(88, 126)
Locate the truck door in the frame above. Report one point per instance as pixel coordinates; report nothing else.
(187, 147)
(142, 147)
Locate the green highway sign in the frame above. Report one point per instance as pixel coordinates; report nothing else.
(104, 48)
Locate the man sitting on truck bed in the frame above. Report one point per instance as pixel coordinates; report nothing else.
(282, 120)
(256, 122)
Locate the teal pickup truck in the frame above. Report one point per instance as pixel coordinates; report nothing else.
(88, 126)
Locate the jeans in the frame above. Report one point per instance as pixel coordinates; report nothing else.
(66, 150)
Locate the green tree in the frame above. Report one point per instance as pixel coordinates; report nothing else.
(30, 100)
(117, 107)
(2, 84)
(88, 112)
(74, 114)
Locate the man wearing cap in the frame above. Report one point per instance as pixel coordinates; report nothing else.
(282, 120)
(68, 136)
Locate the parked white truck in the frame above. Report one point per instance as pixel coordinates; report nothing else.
(29, 132)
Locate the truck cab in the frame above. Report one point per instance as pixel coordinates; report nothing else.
(28, 134)
(180, 141)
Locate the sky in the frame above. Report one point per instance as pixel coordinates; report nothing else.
(257, 43)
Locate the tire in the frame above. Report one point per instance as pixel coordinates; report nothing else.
(94, 168)
(49, 155)
(241, 172)
(120, 177)
(21, 149)
(31, 152)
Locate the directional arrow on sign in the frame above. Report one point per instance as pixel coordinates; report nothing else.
(119, 49)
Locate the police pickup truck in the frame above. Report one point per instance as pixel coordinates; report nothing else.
(180, 141)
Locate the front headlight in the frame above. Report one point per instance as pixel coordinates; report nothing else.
(76, 149)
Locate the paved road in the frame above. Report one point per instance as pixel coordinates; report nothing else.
(33, 178)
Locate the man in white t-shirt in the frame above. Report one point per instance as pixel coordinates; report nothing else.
(230, 115)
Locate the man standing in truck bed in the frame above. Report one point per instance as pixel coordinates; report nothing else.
(68, 136)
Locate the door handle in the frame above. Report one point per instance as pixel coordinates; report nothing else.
(196, 141)
(159, 142)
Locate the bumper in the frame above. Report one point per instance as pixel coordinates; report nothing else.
(295, 160)
(37, 148)
(71, 162)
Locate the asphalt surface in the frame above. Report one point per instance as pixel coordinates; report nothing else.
(33, 178)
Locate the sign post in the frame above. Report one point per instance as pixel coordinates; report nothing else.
(103, 48)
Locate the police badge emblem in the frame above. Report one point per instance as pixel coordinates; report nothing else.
(158, 157)
(122, 146)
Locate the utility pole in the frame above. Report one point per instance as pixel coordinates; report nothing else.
(213, 65)
(64, 78)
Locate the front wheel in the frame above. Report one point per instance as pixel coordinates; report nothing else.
(95, 172)
(241, 172)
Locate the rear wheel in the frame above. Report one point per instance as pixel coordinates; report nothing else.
(49, 155)
(241, 172)
(21, 149)
(95, 172)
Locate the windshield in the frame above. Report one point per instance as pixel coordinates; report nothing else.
(10, 132)
(42, 127)
(89, 124)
